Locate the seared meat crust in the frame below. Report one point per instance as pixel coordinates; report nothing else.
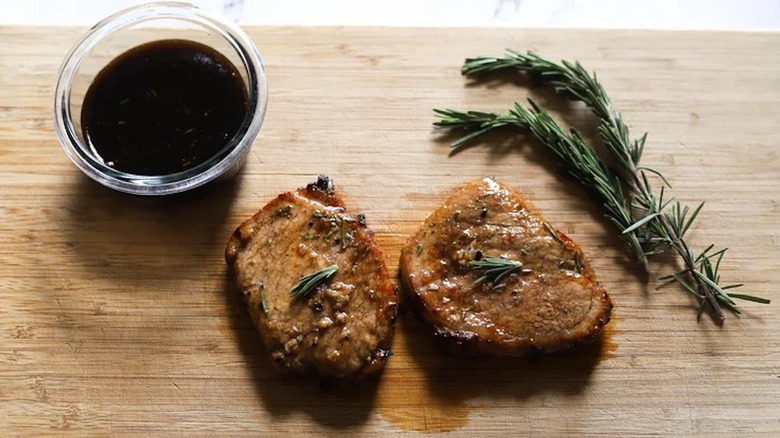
(344, 328)
(553, 303)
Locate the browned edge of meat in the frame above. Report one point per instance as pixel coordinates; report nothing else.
(451, 219)
(342, 331)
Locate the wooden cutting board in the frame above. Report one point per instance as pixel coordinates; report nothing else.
(117, 317)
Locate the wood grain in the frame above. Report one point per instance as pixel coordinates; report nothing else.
(116, 316)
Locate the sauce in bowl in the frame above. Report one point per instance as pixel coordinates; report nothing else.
(160, 99)
(163, 107)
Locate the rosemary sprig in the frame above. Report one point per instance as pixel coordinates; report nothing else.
(647, 224)
(308, 283)
(494, 269)
(580, 160)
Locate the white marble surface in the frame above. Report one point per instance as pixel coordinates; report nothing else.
(632, 14)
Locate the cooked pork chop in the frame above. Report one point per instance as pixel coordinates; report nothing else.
(548, 301)
(341, 328)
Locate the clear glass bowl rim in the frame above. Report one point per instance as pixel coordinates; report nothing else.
(230, 155)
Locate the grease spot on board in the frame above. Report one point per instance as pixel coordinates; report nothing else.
(606, 343)
(426, 390)
(405, 397)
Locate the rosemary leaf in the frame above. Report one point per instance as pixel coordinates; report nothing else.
(494, 269)
(308, 283)
(749, 298)
(552, 232)
(641, 222)
(263, 300)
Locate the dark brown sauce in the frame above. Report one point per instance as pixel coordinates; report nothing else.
(163, 107)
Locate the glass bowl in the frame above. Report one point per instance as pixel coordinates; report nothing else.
(133, 27)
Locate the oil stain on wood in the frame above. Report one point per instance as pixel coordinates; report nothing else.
(426, 389)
